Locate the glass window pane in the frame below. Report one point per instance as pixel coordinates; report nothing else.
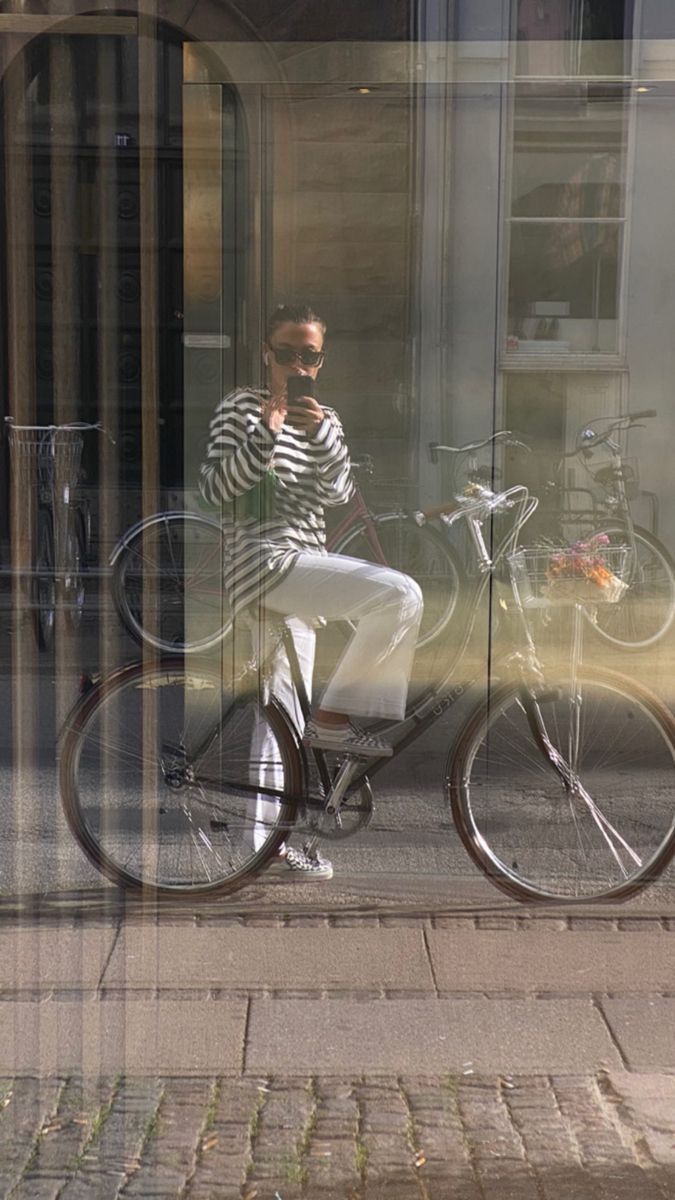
(563, 293)
(573, 37)
(569, 155)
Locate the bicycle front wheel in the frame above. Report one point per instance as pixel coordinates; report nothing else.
(418, 551)
(645, 613)
(168, 583)
(605, 834)
(172, 784)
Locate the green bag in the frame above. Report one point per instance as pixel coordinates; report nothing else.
(258, 502)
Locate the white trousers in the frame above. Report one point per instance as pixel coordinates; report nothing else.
(372, 676)
(371, 679)
(266, 766)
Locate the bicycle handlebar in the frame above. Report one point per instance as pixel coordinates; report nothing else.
(484, 503)
(500, 435)
(363, 463)
(587, 437)
(642, 415)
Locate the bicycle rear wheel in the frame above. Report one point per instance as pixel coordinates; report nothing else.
(604, 838)
(171, 784)
(418, 551)
(168, 583)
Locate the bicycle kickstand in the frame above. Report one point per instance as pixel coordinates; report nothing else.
(336, 798)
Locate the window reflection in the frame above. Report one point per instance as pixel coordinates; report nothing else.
(573, 37)
(568, 191)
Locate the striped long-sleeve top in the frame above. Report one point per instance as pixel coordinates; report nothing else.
(311, 472)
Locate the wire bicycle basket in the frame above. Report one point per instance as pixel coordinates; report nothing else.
(48, 457)
(585, 573)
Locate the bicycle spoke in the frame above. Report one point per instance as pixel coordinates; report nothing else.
(570, 826)
(197, 805)
(176, 559)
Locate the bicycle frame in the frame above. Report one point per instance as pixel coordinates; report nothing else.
(354, 772)
(358, 511)
(616, 504)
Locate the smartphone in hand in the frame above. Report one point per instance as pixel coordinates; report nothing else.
(299, 385)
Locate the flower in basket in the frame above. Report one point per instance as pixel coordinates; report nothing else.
(581, 571)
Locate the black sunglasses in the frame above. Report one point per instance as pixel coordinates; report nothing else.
(285, 355)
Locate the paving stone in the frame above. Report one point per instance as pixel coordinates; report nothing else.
(646, 1103)
(458, 924)
(545, 1135)
(599, 961)
(103, 1037)
(592, 1124)
(643, 1027)
(638, 924)
(180, 955)
(373, 1138)
(223, 1152)
(27, 1106)
(542, 924)
(112, 1153)
(568, 1183)
(382, 1148)
(588, 924)
(50, 956)
(428, 1036)
(62, 1137)
(280, 1143)
(503, 924)
(168, 1157)
(331, 1162)
(440, 1137)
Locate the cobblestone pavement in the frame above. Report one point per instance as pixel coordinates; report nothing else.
(400, 1138)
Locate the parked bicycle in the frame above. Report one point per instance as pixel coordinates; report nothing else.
(168, 570)
(170, 564)
(560, 782)
(647, 610)
(46, 459)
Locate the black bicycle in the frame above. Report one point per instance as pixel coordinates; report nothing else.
(46, 462)
(184, 776)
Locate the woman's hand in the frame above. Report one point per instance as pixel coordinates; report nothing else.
(305, 414)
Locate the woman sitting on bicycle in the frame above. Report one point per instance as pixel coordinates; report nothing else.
(273, 465)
